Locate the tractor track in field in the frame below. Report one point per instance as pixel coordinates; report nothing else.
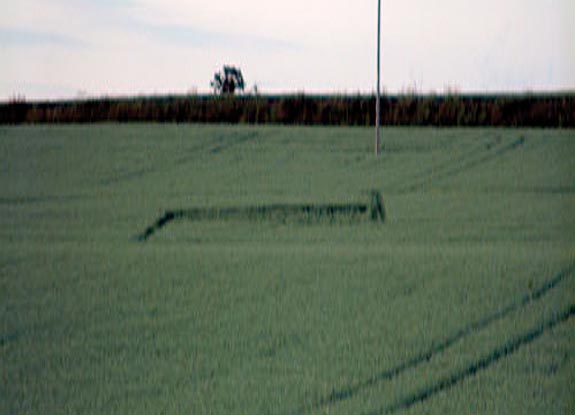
(29, 200)
(452, 380)
(9, 263)
(127, 176)
(221, 145)
(538, 190)
(194, 153)
(342, 394)
(490, 151)
(469, 152)
(224, 146)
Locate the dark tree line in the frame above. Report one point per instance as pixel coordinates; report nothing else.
(402, 110)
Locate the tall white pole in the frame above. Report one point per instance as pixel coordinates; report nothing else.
(377, 99)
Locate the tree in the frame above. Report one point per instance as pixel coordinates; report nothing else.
(228, 80)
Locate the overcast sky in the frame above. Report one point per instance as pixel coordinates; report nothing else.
(69, 48)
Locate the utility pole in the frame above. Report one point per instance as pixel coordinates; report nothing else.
(377, 99)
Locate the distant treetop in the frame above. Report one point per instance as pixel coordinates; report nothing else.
(227, 81)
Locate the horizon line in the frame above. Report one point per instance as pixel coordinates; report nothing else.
(22, 99)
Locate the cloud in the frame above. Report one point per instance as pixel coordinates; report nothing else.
(187, 36)
(313, 22)
(23, 37)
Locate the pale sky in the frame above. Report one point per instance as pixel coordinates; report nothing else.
(53, 49)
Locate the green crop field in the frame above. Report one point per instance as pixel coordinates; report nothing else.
(183, 269)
